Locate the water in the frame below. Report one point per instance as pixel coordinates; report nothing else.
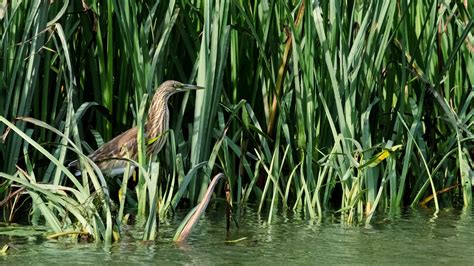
(414, 236)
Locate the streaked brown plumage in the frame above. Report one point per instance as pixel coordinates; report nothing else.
(107, 157)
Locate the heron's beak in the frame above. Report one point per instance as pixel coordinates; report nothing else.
(187, 87)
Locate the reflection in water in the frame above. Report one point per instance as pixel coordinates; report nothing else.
(412, 236)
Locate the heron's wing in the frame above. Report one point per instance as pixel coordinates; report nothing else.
(122, 146)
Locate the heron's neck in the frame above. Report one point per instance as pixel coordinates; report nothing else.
(157, 121)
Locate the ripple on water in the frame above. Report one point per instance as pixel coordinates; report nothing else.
(412, 236)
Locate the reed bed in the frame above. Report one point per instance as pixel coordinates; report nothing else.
(360, 107)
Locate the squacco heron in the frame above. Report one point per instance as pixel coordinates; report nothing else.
(108, 156)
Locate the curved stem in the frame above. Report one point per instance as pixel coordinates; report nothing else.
(198, 211)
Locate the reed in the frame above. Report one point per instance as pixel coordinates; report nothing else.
(359, 107)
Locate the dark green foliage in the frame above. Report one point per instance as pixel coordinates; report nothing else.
(299, 95)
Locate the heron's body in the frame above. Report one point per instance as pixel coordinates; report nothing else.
(108, 156)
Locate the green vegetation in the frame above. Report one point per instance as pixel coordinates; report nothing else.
(355, 106)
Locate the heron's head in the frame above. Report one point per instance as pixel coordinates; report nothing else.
(171, 87)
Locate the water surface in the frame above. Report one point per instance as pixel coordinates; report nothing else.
(414, 236)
